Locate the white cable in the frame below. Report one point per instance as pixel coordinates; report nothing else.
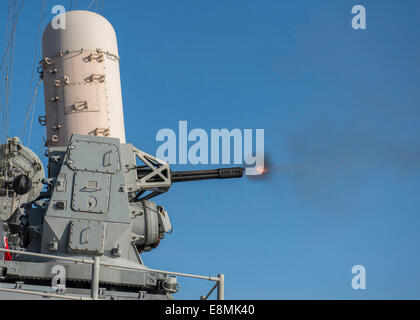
(93, 1)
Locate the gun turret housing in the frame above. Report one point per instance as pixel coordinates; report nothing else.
(94, 204)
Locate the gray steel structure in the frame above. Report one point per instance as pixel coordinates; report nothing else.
(95, 206)
(91, 217)
(92, 208)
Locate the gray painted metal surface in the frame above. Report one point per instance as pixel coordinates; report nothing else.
(89, 220)
(89, 213)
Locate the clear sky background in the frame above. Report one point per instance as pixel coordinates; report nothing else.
(341, 113)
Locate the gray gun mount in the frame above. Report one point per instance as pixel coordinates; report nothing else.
(95, 204)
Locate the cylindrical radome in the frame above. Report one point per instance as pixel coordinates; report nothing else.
(81, 76)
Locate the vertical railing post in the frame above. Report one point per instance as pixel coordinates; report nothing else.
(221, 287)
(95, 278)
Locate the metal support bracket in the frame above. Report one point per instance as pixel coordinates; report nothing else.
(159, 178)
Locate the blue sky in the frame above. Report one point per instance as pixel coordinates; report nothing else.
(340, 109)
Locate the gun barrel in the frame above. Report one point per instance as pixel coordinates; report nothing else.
(224, 173)
(185, 176)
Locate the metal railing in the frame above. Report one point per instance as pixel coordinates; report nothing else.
(96, 267)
